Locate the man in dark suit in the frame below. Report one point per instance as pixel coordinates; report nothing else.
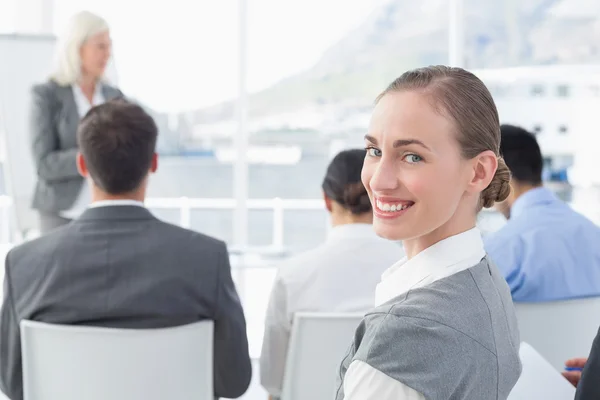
(588, 381)
(119, 266)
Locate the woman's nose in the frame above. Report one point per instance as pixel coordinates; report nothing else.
(384, 177)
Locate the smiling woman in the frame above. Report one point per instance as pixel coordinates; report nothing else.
(432, 163)
(425, 153)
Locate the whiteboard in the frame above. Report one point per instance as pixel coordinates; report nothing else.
(24, 61)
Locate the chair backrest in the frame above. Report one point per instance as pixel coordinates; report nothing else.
(318, 343)
(539, 379)
(79, 362)
(560, 330)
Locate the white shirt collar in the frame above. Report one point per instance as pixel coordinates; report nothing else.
(82, 103)
(124, 202)
(445, 258)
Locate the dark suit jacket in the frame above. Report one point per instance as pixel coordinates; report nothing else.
(118, 266)
(589, 385)
(53, 133)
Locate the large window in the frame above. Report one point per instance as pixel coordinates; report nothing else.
(314, 69)
(179, 59)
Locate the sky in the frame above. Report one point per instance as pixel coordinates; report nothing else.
(178, 55)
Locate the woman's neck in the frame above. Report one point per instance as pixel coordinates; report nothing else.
(453, 227)
(87, 80)
(87, 84)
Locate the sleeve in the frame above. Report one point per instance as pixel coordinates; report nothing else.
(275, 340)
(421, 354)
(232, 367)
(363, 382)
(589, 385)
(10, 344)
(51, 163)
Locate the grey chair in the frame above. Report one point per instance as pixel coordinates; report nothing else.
(560, 330)
(318, 343)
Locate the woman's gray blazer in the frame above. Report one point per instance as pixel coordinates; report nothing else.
(53, 133)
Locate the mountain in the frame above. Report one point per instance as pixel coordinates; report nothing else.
(404, 34)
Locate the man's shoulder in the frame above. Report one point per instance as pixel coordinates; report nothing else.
(171, 237)
(43, 244)
(188, 240)
(507, 236)
(193, 235)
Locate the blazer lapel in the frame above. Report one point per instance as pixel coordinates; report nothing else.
(69, 107)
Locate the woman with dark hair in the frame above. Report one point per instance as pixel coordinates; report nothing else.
(352, 254)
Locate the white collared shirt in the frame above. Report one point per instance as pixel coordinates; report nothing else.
(83, 106)
(443, 259)
(119, 202)
(338, 276)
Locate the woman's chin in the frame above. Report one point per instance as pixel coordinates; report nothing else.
(390, 232)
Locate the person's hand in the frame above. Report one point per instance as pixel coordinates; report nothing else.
(574, 376)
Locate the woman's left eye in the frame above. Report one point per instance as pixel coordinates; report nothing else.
(413, 158)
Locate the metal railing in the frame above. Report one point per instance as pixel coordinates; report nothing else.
(186, 205)
(278, 205)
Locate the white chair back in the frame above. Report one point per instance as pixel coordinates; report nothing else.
(318, 343)
(560, 330)
(539, 379)
(79, 362)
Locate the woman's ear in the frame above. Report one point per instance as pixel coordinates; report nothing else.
(484, 166)
(328, 202)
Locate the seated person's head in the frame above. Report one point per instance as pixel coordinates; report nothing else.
(117, 142)
(345, 196)
(523, 157)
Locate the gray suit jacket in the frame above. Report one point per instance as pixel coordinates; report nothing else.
(119, 266)
(53, 130)
(456, 338)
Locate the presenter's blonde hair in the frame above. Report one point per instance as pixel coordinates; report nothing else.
(82, 26)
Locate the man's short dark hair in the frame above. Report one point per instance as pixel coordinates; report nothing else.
(117, 140)
(522, 154)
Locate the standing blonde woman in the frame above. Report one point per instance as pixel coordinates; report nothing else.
(74, 87)
(444, 326)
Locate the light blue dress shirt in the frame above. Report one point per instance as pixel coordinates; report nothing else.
(547, 251)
